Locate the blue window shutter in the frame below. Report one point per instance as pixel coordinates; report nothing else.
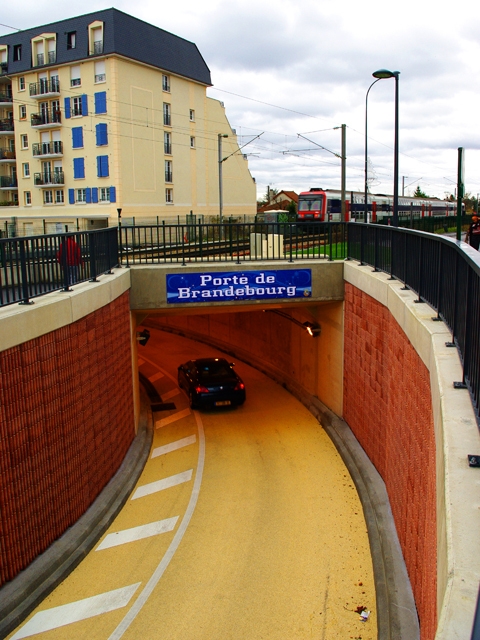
(113, 194)
(102, 134)
(88, 195)
(99, 166)
(67, 107)
(94, 194)
(101, 102)
(84, 104)
(79, 168)
(102, 166)
(71, 196)
(77, 137)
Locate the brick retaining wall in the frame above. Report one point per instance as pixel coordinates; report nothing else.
(387, 404)
(66, 423)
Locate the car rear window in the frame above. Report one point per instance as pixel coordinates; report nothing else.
(214, 371)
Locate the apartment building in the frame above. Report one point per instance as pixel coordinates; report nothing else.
(105, 112)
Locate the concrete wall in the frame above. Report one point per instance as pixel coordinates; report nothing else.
(66, 412)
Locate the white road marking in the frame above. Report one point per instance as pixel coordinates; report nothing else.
(76, 611)
(160, 485)
(171, 394)
(140, 362)
(137, 533)
(173, 418)
(165, 561)
(156, 376)
(173, 446)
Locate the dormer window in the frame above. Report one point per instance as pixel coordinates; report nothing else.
(17, 52)
(95, 38)
(71, 39)
(165, 83)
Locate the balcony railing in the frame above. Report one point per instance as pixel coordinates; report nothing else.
(6, 97)
(50, 116)
(52, 57)
(6, 125)
(3, 68)
(168, 176)
(100, 77)
(97, 48)
(49, 179)
(40, 59)
(45, 87)
(8, 182)
(54, 148)
(7, 154)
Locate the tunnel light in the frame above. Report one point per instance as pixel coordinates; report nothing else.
(143, 337)
(313, 330)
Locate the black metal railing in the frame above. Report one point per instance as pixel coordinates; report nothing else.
(46, 179)
(33, 266)
(49, 116)
(6, 125)
(8, 182)
(7, 154)
(443, 273)
(231, 242)
(54, 148)
(45, 86)
(3, 68)
(6, 97)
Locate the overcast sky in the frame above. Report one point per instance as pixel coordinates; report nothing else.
(289, 67)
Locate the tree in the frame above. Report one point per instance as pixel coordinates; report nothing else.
(292, 208)
(269, 194)
(419, 193)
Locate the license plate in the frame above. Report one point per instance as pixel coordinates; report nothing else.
(222, 403)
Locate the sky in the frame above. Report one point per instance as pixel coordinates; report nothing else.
(291, 72)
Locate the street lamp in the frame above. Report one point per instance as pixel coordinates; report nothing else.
(383, 74)
(220, 185)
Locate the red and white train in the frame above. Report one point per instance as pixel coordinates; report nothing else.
(323, 205)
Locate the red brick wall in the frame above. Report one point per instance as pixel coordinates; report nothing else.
(66, 423)
(387, 403)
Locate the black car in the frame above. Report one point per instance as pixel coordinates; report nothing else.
(211, 382)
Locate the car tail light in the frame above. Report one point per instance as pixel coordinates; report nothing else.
(200, 389)
(239, 386)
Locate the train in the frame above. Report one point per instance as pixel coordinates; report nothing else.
(325, 205)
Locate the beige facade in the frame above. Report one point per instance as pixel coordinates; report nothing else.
(79, 141)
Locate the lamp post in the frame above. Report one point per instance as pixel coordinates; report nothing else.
(365, 219)
(220, 185)
(383, 74)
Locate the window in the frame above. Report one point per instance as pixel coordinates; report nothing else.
(168, 171)
(28, 198)
(75, 78)
(169, 196)
(192, 115)
(26, 169)
(102, 166)
(48, 197)
(101, 102)
(101, 134)
(165, 83)
(77, 137)
(59, 198)
(24, 141)
(167, 140)
(104, 195)
(17, 52)
(192, 142)
(78, 106)
(71, 39)
(23, 111)
(81, 195)
(21, 84)
(100, 75)
(167, 114)
(79, 168)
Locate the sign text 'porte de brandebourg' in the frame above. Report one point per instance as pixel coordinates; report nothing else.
(234, 285)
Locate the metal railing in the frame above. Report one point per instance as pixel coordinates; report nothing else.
(45, 86)
(7, 154)
(6, 97)
(442, 272)
(33, 266)
(238, 243)
(49, 116)
(47, 148)
(47, 179)
(6, 125)
(8, 182)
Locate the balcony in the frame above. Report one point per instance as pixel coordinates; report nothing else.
(6, 99)
(48, 149)
(168, 176)
(3, 68)
(50, 58)
(97, 48)
(49, 179)
(7, 155)
(46, 119)
(8, 182)
(45, 88)
(6, 126)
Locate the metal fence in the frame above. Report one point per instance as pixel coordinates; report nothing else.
(237, 243)
(441, 273)
(34, 266)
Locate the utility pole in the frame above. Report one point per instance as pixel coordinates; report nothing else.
(344, 163)
(460, 190)
(220, 182)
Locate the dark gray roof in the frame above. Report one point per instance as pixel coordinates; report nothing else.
(124, 35)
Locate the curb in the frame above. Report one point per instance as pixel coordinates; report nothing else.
(21, 595)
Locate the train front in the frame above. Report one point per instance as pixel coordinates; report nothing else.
(312, 206)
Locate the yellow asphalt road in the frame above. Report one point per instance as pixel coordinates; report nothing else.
(244, 525)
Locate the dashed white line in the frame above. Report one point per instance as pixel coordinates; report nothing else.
(137, 533)
(171, 394)
(173, 446)
(76, 611)
(156, 376)
(173, 418)
(160, 485)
